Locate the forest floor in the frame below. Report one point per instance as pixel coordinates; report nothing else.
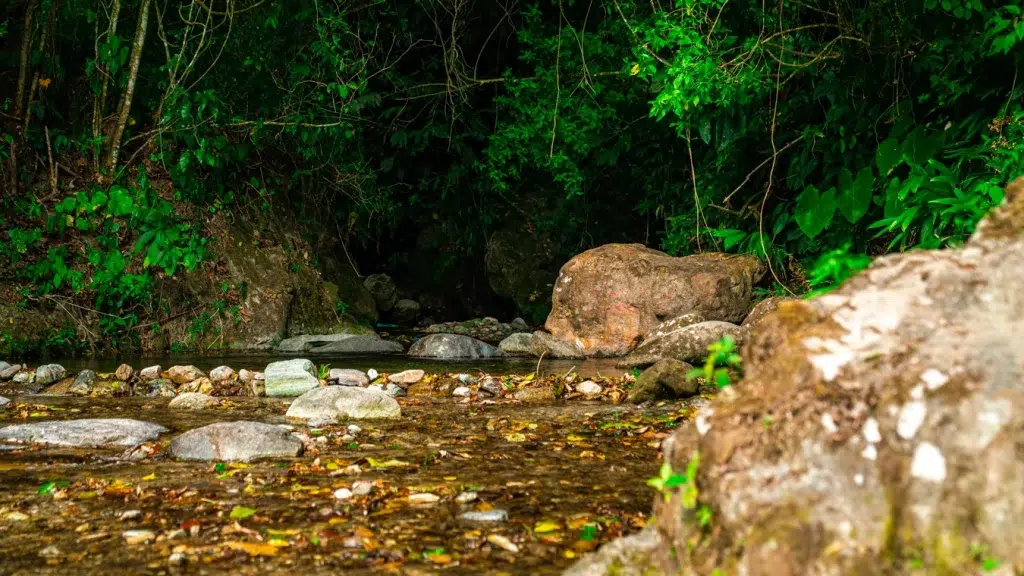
(543, 482)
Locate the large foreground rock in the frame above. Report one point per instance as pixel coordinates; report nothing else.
(236, 441)
(94, 432)
(878, 428)
(453, 346)
(610, 297)
(688, 344)
(333, 403)
(290, 377)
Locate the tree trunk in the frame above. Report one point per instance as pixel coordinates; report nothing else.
(99, 103)
(19, 100)
(129, 90)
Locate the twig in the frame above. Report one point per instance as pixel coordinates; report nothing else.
(541, 359)
(53, 169)
(558, 85)
(771, 158)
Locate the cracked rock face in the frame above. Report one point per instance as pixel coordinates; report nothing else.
(879, 424)
(606, 300)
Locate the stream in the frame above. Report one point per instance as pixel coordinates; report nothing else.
(548, 480)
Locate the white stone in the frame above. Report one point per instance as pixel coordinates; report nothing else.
(342, 493)
(150, 373)
(934, 379)
(870, 431)
(911, 418)
(589, 387)
(372, 374)
(928, 464)
(829, 423)
(461, 392)
(701, 421)
(869, 452)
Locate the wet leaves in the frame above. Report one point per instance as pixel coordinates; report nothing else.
(558, 481)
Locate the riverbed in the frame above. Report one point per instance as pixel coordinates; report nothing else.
(548, 481)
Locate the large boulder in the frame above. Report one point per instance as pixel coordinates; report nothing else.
(363, 344)
(518, 344)
(334, 403)
(689, 343)
(453, 346)
(879, 428)
(610, 297)
(236, 442)
(290, 377)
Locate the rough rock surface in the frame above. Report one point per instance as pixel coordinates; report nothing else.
(518, 344)
(150, 373)
(333, 403)
(222, 373)
(184, 374)
(361, 344)
(93, 432)
(453, 346)
(689, 343)
(192, 401)
(348, 377)
(485, 329)
(304, 342)
(666, 379)
(236, 442)
(9, 372)
(290, 377)
(83, 383)
(159, 387)
(878, 427)
(546, 345)
(406, 377)
(609, 298)
(48, 374)
(763, 308)
(124, 373)
(630, 556)
(383, 290)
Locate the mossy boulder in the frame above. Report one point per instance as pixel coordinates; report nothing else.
(878, 429)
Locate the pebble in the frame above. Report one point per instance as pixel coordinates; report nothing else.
(394, 390)
(466, 497)
(342, 493)
(177, 559)
(461, 392)
(424, 498)
(131, 515)
(150, 373)
(221, 373)
(138, 536)
(467, 379)
(589, 387)
(407, 377)
(50, 551)
(362, 488)
(491, 387)
(4, 401)
(502, 542)
(372, 374)
(353, 429)
(488, 516)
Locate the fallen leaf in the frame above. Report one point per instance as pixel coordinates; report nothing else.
(386, 464)
(150, 476)
(241, 512)
(253, 548)
(502, 542)
(547, 526)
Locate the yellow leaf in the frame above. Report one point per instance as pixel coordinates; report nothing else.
(529, 377)
(150, 476)
(634, 70)
(547, 526)
(516, 437)
(253, 548)
(45, 82)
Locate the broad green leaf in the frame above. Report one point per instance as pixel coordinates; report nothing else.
(814, 210)
(854, 197)
(888, 156)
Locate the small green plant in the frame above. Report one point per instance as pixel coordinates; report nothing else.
(833, 268)
(340, 307)
(323, 371)
(722, 357)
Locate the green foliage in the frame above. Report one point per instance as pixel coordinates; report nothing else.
(721, 360)
(323, 371)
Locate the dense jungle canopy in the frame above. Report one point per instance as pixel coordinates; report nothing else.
(413, 137)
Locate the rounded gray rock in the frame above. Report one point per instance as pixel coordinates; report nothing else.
(48, 374)
(241, 441)
(290, 377)
(192, 401)
(348, 377)
(333, 403)
(453, 346)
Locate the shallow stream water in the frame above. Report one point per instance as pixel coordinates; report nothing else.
(569, 473)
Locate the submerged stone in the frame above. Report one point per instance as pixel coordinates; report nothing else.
(333, 403)
(290, 377)
(192, 401)
(359, 344)
(93, 432)
(241, 441)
